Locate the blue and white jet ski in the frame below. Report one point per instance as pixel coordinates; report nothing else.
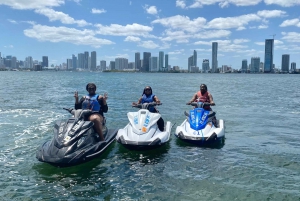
(201, 126)
(74, 141)
(142, 131)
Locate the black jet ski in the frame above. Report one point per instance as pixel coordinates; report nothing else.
(74, 141)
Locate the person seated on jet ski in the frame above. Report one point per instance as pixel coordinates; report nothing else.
(148, 97)
(204, 96)
(96, 103)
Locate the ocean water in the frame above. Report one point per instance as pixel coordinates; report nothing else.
(260, 159)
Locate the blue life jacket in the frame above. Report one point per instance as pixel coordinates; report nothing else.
(149, 99)
(91, 103)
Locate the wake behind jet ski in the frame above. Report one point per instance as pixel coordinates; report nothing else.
(74, 141)
(201, 126)
(142, 131)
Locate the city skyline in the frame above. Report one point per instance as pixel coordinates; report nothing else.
(60, 29)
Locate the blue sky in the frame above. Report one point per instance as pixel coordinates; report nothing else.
(119, 28)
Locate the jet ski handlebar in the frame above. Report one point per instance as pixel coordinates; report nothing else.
(146, 105)
(199, 104)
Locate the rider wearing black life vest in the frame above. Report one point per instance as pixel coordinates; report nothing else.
(148, 97)
(94, 102)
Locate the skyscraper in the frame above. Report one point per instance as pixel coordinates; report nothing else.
(166, 62)
(121, 63)
(244, 66)
(285, 63)
(153, 64)
(146, 56)
(86, 60)
(137, 61)
(214, 61)
(195, 58)
(269, 53)
(81, 60)
(190, 63)
(74, 61)
(93, 60)
(102, 65)
(255, 61)
(45, 61)
(161, 61)
(205, 65)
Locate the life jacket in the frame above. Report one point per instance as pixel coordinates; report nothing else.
(203, 98)
(149, 99)
(91, 103)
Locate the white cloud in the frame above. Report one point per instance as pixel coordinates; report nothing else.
(232, 22)
(238, 41)
(271, 13)
(213, 34)
(176, 52)
(283, 3)
(148, 44)
(31, 4)
(9, 46)
(151, 10)
(182, 22)
(263, 26)
(60, 16)
(132, 39)
(291, 36)
(98, 11)
(292, 22)
(12, 21)
(64, 34)
(128, 30)
(180, 3)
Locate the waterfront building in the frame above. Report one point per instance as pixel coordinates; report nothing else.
(137, 61)
(121, 63)
(166, 62)
(93, 61)
(81, 60)
(214, 61)
(153, 64)
(285, 63)
(293, 66)
(269, 53)
(69, 64)
(112, 65)
(190, 63)
(74, 61)
(45, 62)
(244, 65)
(146, 56)
(205, 65)
(195, 59)
(86, 60)
(102, 65)
(14, 62)
(255, 61)
(161, 61)
(28, 62)
(131, 65)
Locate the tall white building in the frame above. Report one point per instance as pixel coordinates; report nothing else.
(137, 61)
(121, 63)
(153, 64)
(166, 62)
(255, 63)
(93, 61)
(161, 61)
(205, 65)
(102, 65)
(214, 61)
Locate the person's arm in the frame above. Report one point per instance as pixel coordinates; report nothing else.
(102, 102)
(193, 99)
(211, 100)
(138, 102)
(156, 99)
(78, 103)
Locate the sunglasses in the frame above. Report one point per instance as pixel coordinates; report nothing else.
(91, 88)
(147, 89)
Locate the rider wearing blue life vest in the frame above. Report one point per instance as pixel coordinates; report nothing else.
(148, 97)
(96, 103)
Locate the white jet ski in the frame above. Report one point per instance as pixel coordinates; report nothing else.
(142, 131)
(201, 127)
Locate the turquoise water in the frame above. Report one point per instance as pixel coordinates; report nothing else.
(259, 161)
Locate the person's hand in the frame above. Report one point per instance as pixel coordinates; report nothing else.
(76, 95)
(158, 102)
(188, 103)
(134, 104)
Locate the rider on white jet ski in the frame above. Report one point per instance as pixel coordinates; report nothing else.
(148, 97)
(203, 96)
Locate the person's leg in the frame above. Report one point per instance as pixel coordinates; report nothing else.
(161, 124)
(97, 119)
